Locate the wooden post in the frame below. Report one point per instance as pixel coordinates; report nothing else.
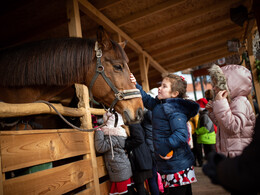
(253, 67)
(144, 67)
(194, 87)
(202, 87)
(2, 176)
(86, 123)
(116, 37)
(249, 97)
(74, 24)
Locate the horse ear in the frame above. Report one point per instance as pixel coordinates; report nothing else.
(103, 39)
(122, 44)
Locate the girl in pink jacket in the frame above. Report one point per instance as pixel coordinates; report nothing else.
(230, 110)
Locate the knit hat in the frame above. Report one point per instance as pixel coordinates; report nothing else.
(202, 102)
(109, 128)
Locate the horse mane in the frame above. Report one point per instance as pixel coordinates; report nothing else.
(51, 62)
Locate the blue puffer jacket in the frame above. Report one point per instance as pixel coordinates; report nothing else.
(170, 131)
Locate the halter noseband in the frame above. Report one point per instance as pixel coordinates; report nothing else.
(119, 95)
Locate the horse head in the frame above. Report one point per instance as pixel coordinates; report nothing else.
(111, 84)
(47, 69)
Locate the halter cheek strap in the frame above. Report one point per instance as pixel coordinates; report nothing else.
(119, 95)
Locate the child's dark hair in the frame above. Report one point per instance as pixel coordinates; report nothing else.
(177, 84)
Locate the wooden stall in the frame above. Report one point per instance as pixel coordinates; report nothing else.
(52, 161)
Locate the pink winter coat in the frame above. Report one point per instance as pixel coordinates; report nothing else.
(235, 120)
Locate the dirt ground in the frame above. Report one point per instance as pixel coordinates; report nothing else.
(204, 186)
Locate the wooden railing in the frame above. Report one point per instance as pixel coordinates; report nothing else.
(56, 161)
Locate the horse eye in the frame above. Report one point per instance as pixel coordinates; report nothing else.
(118, 67)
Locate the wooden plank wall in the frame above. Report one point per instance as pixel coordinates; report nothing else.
(75, 167)
(24, 149)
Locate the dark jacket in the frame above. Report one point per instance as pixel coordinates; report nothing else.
(148, 130)
(241, 173)
(169, 121)
(138, 152)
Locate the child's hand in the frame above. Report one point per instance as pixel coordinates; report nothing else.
(221, 95)
(168, 156)
(209, 106)
(132, 78)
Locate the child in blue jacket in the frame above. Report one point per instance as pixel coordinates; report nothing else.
(170, 114)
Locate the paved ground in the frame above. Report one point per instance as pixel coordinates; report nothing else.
(204, 186)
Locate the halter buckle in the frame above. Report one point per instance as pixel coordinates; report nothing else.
(98, 50)
(119, 95)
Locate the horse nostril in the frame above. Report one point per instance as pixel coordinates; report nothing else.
(139, 114)
(128, 120)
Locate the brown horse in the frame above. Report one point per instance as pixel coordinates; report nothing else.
(43, 70)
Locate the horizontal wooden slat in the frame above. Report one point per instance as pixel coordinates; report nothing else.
(12, 110)
(24, 150)
(102, 171)
(57, 180)
(105, 188)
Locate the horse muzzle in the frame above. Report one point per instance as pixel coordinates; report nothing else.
(132, 120)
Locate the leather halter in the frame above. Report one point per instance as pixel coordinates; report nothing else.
(119, 95)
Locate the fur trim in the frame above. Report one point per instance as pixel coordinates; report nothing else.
(217, 74)
(110, 118)
(116, 131)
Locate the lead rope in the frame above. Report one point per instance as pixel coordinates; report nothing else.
(111, 145)
(65, 120)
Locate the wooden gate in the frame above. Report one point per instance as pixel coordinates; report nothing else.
(61, 161)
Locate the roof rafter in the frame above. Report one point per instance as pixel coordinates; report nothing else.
(196, 61)
(196, 13)
(96, 15)
(150, 11)
(220, 40)
(224, 31)
(187, 31)
(101, 5)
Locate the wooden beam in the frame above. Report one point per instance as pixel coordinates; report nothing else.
(202, 61)
(187, 62)
(144, 72)
(74, 24)
(192, 41)
(97, 16)
(101, 5)
(27, 109)
(220, 40)
(86, 123)
(187, 31)
(147, 12)
(182, 18)
(196, 53)
(223, 31)
(249, 36)
(184, 54)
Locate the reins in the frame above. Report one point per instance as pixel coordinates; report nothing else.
(66, 121)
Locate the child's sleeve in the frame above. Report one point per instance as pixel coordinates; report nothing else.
(102, 145)
(149, 101)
